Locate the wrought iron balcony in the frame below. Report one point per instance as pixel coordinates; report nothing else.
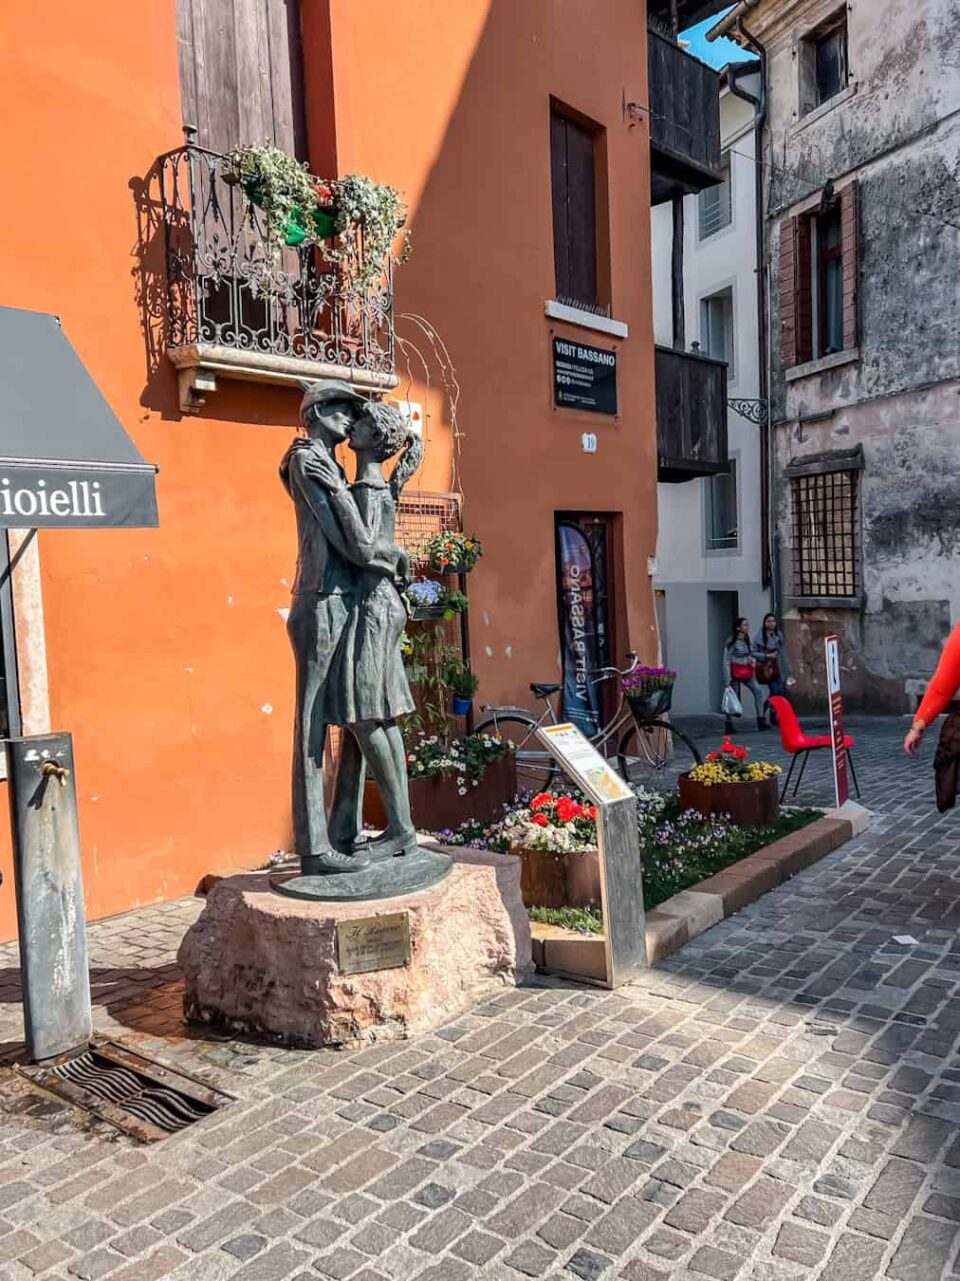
(684, 97)
(241, 305)
(691, 415)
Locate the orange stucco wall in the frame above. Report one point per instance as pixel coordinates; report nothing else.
(459, 120)
(167, 657)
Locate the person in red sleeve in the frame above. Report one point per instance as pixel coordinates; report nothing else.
(941, 691)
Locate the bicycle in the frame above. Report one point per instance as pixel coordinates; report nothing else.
(643, 744)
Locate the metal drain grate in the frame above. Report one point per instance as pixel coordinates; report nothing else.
(136, 1094)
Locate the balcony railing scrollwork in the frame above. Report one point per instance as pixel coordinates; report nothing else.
(241, 303)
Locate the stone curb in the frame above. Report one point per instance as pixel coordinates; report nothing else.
(681, 918)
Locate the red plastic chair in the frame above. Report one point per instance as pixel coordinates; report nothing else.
(799, 744)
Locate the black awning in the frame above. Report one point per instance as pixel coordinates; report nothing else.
(65, 460)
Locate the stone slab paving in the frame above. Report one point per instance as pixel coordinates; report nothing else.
(780, 1101)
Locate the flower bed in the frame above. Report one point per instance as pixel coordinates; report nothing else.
(677, 848)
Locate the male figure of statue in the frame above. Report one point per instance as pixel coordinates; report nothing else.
(334, 546)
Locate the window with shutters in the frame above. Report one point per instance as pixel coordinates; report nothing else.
(714, 204)
(575, 166)
(819, 270)
(825, 535)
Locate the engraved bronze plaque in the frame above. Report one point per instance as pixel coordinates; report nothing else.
(373, 943)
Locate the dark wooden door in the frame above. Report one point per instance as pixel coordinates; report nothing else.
(241, 73)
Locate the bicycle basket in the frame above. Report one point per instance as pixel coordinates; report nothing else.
(647, 706)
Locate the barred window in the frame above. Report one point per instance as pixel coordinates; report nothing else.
(714, 205)
(825, 535)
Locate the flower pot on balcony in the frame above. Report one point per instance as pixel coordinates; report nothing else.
(646, 707)
(436, 803)
(461, 706)
(428, 613)
(548, 879)
(748, 804)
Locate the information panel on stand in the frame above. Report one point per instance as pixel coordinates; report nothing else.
(580, 758)
(618, 849)
(841, 783)
(584, 377)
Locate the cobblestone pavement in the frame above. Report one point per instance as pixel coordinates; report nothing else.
(777, 1102)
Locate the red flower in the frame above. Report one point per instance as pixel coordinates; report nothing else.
(590, 811)
(741, 753)
(727, 745)
(541, 820)
(713, 756)
(323, 191)
(541, 799)
(567, 810)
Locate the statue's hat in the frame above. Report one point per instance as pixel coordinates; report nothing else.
(327, 389)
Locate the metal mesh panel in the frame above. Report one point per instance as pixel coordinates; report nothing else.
(420, 516)
(825, 534)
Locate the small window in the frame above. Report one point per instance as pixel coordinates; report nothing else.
(825, 542)
(823, 63)
(714, 203)
(716, 327)
(573, 165)
(827, 283)
(723, 530)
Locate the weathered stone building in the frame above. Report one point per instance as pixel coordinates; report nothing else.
(861, 154)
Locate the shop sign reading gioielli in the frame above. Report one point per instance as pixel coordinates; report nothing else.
(584, 377)
(36, 496)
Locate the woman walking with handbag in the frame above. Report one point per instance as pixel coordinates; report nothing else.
(740, 668)
(773, 667)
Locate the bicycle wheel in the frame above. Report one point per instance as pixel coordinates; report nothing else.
(656, 752)
(535, 766)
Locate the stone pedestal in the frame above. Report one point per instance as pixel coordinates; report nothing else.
(259, 963)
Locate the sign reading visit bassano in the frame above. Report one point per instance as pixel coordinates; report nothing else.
(584, 377)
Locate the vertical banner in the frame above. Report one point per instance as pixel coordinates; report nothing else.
(578, 626)
(836, 720)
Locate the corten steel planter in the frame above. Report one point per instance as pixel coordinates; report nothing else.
(749, 804)
(548, 879)
(436, 804)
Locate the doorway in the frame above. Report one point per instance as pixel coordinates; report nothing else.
(722, 610)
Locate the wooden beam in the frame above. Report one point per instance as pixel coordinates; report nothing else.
(676, 277)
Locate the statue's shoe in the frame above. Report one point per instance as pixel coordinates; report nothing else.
(330, 862)
(388, 846)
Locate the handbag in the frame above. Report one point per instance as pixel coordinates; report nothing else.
(768, 670)
(730, 705)
(742, 671)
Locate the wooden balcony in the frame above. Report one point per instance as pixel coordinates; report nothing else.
(691, 415)
(684, 98)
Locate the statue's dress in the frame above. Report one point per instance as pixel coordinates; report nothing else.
(368, 665)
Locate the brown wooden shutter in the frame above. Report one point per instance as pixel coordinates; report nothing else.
(804, 292)
(558, 177)
(787, 292)
(795, 292)
(241, 72)
(850, 237)
(574, 209)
